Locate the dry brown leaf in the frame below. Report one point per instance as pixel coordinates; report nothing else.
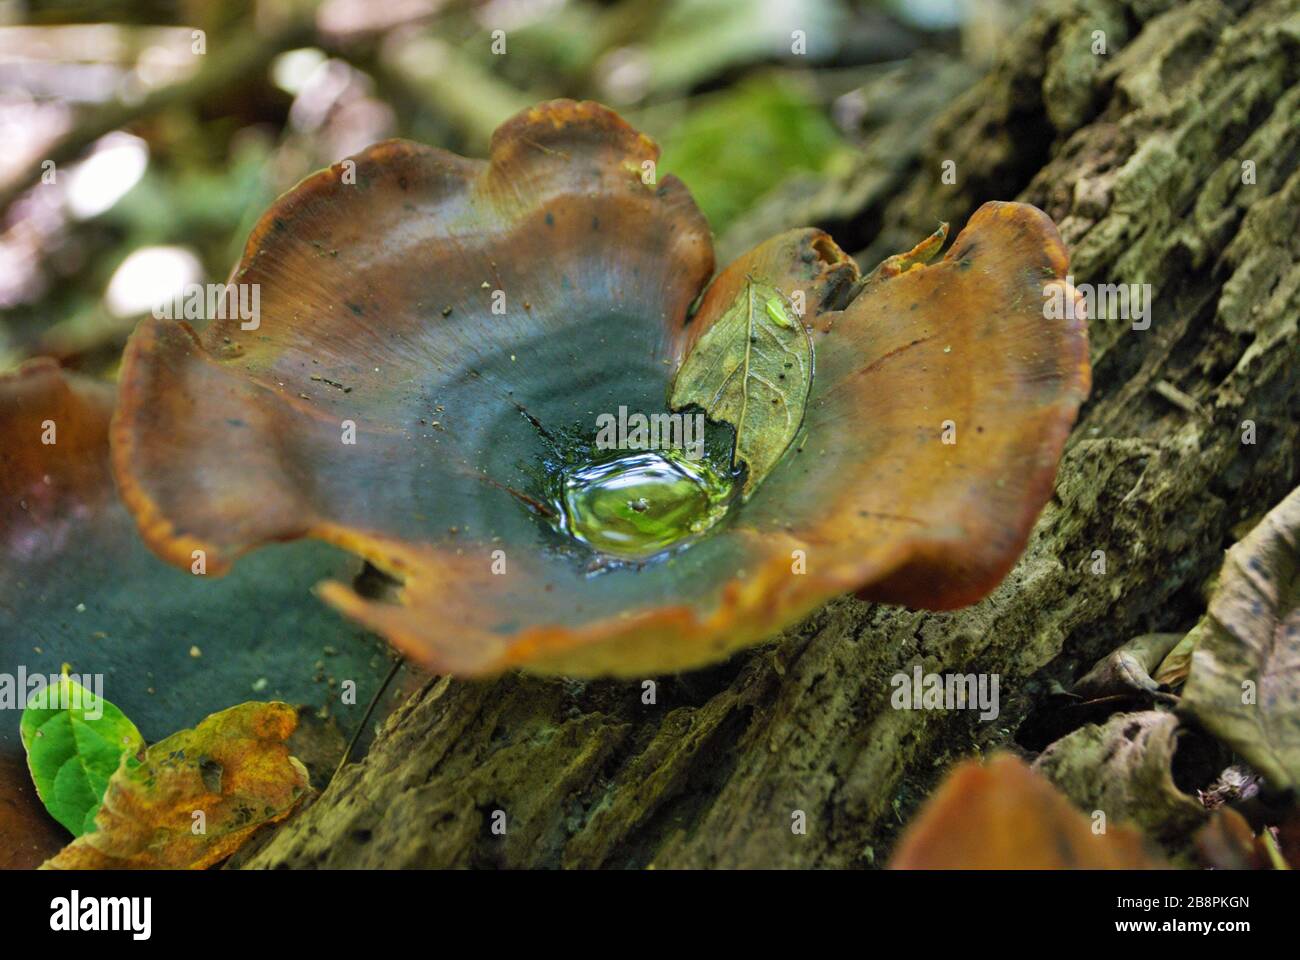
(1127, 670)
(1173, 669)
(196, 796)
(1124, 767)
(1003, 816)
(1244, 682)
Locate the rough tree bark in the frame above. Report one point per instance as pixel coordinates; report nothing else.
(1138, 154)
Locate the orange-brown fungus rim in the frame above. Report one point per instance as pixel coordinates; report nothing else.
(158, 533)
(582, 117)
(747, 610)
(42, 384)
(900, 584)
(671, 637)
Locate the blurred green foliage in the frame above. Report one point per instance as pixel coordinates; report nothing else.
(740, 143)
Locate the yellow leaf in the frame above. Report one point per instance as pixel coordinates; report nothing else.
(196, 796)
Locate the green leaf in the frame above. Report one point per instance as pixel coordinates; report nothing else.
(75, 740)
(751, 369)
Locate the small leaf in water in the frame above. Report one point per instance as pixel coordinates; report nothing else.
(751, 369)
(75, 740)
(637, 505)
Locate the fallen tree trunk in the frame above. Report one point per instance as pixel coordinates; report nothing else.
(1169, 160)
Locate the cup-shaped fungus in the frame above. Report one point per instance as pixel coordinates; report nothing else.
(486, 378)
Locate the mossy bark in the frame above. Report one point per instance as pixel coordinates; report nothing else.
(1145, 156)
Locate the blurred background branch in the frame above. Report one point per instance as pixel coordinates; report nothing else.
(144, 138)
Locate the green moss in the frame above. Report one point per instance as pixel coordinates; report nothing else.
(744, 142)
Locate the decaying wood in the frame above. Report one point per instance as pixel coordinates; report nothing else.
(1139, 155)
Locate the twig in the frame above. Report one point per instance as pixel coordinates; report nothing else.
(1181, 400)
(374, 702)
(247, 52)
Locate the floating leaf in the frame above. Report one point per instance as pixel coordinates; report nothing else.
(1244, 681)
(197, 795)
(1003, 816)
(751, 369)
(74, 740)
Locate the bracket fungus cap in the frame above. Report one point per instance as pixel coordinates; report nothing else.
(435, 334)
